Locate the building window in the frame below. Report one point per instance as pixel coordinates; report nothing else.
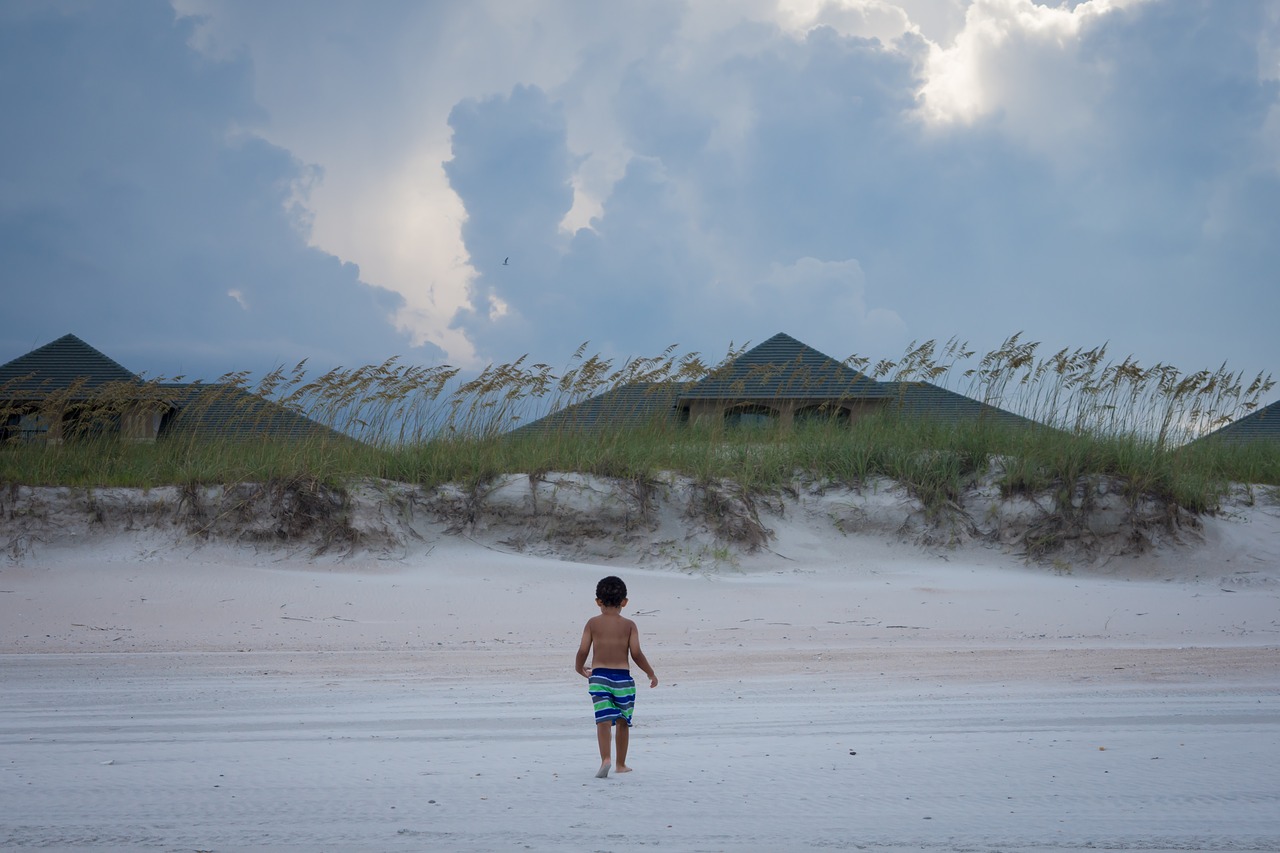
(32, 427)
(750, 417)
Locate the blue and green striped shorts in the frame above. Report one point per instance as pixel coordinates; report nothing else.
(613, 693)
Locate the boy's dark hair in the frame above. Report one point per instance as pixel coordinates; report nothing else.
(611, 591)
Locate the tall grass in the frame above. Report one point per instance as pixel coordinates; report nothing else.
(1085, 390)
(433, 425)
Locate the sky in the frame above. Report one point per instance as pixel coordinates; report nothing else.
(200, 186)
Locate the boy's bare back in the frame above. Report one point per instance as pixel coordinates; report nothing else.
(610, 635)
(613, 642)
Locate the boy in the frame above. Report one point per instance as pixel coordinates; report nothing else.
(611, 638)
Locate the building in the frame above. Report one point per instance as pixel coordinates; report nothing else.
(66, 389)
(781, 382)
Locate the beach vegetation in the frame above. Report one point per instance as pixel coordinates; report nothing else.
(1089, 418)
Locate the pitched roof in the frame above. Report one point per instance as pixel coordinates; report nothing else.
(924, 399)
(229, 412)
(1262, 425)
(58, 365)
(783, 367)
(217, 410)
(637, 404)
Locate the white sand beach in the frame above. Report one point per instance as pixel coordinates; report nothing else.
(832, 692)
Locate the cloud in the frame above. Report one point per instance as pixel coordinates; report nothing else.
(512, 167)
(1083, 198)
(1022, 60)
(134, 191)
(788, 292)
(699, 218)
(858, 173)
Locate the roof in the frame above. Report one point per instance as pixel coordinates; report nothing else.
(58, 365)
(1262, 425)
(215, 410)
(781, 368)
(924, 399)
(628, 405)
(229, 412)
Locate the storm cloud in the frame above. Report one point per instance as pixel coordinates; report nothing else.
(212, 185)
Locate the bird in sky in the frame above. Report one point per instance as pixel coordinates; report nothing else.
(504, 261)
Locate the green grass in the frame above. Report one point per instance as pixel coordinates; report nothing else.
(428, 426)
(934, 463)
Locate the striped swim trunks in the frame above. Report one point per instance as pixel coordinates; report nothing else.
(613, 693)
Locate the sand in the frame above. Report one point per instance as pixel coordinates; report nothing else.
(835, 692)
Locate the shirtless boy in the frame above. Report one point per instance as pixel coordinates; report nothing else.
(611, 638)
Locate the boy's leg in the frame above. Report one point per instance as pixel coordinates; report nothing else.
(623, 737)
(602, 738)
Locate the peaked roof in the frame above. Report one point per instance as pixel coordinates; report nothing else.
(1262, 425)
(625, 406)
(783, 367)
(924, 399)
(218, 410)
(61, 364)
(228, 412)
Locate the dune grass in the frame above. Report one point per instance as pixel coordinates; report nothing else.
(1099, 418)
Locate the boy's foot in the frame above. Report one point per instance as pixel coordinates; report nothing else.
(622, 768)
(604, 770)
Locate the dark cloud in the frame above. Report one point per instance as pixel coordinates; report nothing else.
(686, 247)
(512, 164)
(139, 213)
(613, 286)
(836, 214)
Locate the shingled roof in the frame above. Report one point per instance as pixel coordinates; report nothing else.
(784, 368)
(924, 399)
(216, 410)
(629, 405)
(779, 368)
(59, 365)
(228, 412)
(1262, 425)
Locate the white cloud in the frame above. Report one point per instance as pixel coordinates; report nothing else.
(1021, 62)
(877, 19)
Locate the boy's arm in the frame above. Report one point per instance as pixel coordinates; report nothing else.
(638, 656)
(584, 648)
